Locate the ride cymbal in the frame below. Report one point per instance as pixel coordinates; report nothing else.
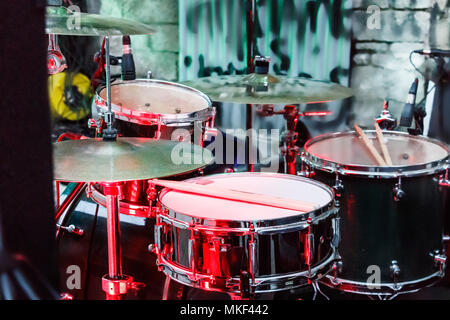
(126, 159)
(268, 89)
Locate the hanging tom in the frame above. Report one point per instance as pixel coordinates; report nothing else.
(391, 216)
(212, 243)
(154, 109)
(158, 109)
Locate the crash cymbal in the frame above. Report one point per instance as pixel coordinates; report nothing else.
(96, 160)
(63, 22)
(268, 89)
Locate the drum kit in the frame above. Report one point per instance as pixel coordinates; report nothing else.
(249, 233)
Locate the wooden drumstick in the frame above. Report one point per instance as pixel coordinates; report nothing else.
(383, 146)
(370, 146)
(235, 195)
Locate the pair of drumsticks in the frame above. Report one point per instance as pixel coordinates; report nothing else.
(384, 160)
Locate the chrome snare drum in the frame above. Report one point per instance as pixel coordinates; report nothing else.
(210, 243)
(391, 217)
(158, 109)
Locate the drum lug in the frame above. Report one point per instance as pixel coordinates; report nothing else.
(252, 258)
(305, 171)
(309, 247)
(338, 185)
(337, 268)
(336, 232)
(398, 191)
(443, 179)
(158, 243)
(191, 255)
(440, 260)
(394, 270)
(245, 286)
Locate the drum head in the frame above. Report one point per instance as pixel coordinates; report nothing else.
(348, 151)
(278, 185)
(155, 97)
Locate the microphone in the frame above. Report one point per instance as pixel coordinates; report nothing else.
(433, 52)
(408, 110)
(56, 62)
(128, 67)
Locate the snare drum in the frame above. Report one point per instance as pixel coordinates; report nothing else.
(208, 243)
(158, 109)
(391, 217)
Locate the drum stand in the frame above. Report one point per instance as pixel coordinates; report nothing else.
(115, 284)
(289, 137)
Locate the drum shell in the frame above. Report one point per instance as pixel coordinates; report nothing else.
(276, 253)
(376, 230)
(195, 130)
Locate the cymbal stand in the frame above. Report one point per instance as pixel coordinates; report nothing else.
(109, 134)
(115, 283)
(251, 16)
(289, 137)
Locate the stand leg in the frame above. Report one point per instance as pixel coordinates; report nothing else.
(115, 284)
(166, 288)
(113, 228)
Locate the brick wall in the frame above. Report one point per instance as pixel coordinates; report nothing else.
(157, 52)
(380, 64)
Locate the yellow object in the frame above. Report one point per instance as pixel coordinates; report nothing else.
(59, 108)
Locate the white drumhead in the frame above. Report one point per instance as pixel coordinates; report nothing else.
(283, 186)
(156, 97)
(348, 149)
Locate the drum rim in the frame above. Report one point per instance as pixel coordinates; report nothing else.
(278, 281)
(264, 226)
(148, 118)
(386, 289)
(382, 172)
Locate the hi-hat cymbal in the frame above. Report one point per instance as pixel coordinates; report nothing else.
(268, 89)
(126, 159)
(63, 22)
